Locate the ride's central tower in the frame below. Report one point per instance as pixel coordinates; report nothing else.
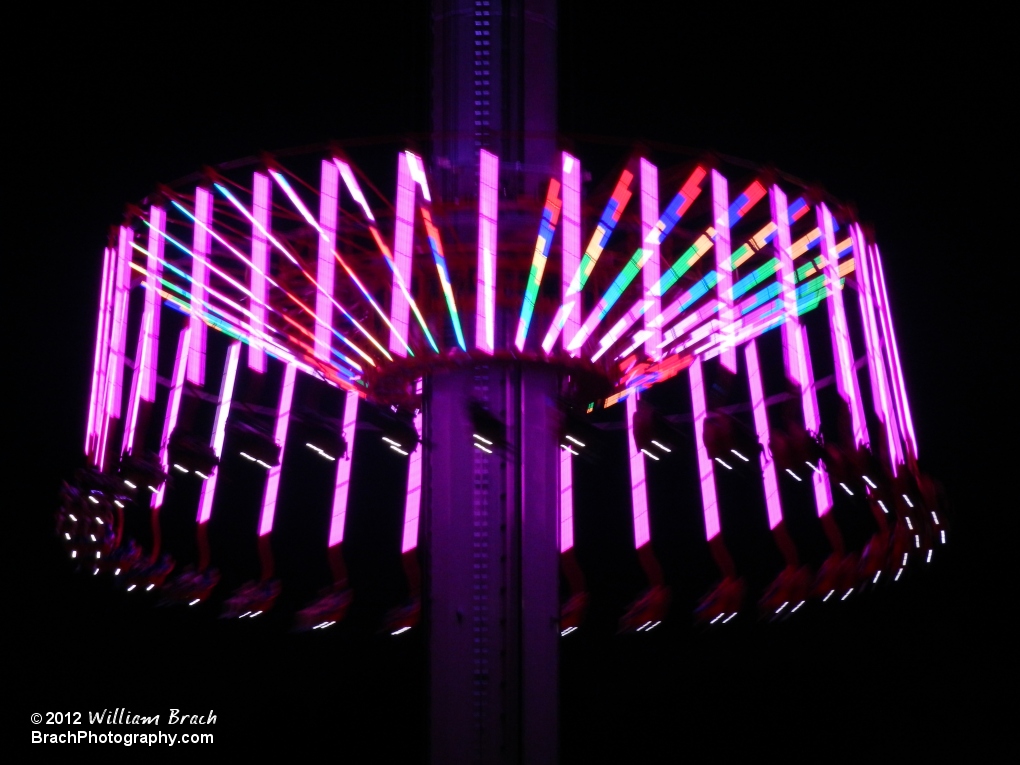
(490, 424)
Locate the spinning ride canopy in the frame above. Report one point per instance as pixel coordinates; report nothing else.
(302, 259)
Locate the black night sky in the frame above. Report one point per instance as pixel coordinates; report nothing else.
(901, 116)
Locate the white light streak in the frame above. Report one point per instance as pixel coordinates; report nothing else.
(663, 447)
(654, 457)
(398, 450)
(720, 461)
(796, 477)
(828, 596)
(401, 630)
(847, 594)
(574, 440)
(196, 600)
(907, 500)
(487, 442)
(846, 488)
(741, 456)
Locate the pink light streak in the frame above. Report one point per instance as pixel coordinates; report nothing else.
(173, 408)
(721, 216)
(201, 247)
(812, 421)
(773, 502)
(403, 241)
(638, 490)
(261, 191)
(343, 472)
(118, 339)
(567, 501)
(412, 501)
(906, 421)
(846, 378)
(96, 409)
(355, 191)
(650, 241)
(569, 315)
(876, 369)
(280, 436)
(706, 470)
(796, 353)
(488, 205)
(329, 189)
(325, 291)
(154, 269)
(137, 382)
(205, 501)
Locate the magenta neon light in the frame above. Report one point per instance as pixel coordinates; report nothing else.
(325, 291)
(403, 241)
(205, 500)
(650, 242)
(269, 280)
(893, 423)
(118, 340)
(201, 247)
(773, 501)
(154, 268)
(638, 490)
(569, 316)
(103, 320)
(567, 501)
(706, 470)
(412, 500)
(329, 189)
(812, 422)
(137, 383)
(723, 268)
(876, 370)
(846, 377)
(173, 408)
(342, 487)
(280, 436)
(261, 213)
(907, 420)
(353, 188)
(488, 205)
(788, 283)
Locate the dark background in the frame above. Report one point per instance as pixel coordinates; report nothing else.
(901, 115)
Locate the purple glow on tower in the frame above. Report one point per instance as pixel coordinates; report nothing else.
(260, 259)
(706, 470)
(328, 200)
(201, 246)
(721, 217)
(205, 501)
(403, 241)
(343, 472)
(638, 492)
(280, 436)
(773, 501)
(567, 501)
(846, 377)
(650, 241)
(488, 204)
(412, 501)
(173, 408)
